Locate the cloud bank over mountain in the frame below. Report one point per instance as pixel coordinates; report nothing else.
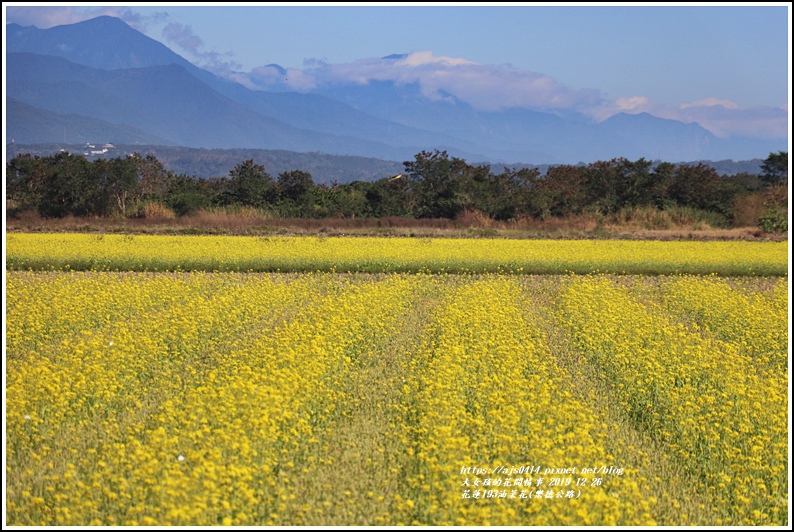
(484, 87)
(499, 87)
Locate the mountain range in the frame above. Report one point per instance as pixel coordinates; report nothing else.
(102, 81)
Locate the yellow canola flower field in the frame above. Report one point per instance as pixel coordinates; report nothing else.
(748, 320)
(714, 404)
(384, 255)
(489, 395)
(333, 399)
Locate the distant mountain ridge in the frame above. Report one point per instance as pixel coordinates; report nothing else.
(103, 73)
(106, 43)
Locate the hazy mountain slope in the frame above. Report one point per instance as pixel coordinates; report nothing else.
(31, 125)
(678, 141)
(105, 43)
(167, 102)
(319, 113)
(507, 135)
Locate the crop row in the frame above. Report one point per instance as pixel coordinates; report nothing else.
(317, 399)
(714, 404)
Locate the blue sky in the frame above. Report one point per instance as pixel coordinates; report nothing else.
(727, 67)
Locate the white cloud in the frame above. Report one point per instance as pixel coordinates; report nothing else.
(484, 87)
(183, 36)
(603, 109)
(265, 77)
(724, 118)
(636, 103)
(299, 81)
(711, 102)
(427, 58)
(724, 121)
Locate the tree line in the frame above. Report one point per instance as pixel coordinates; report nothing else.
(433, 185)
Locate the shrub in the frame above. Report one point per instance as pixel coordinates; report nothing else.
(774, 220)
(155, 209)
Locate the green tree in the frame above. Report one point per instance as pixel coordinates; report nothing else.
(619, 183)
(25, 177)
(116, 186)
(188, 194)
(603, 186)
(295, 194)
(68, 188)
(389, 196)
(520, 186)
(635, 182)
(62, 184)
(700, 187)
(349, 200)
(153, 179)
(561, 192)
(775, 168)
(249, 184)
(662, 177)
(435, 182)
(502, 196)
